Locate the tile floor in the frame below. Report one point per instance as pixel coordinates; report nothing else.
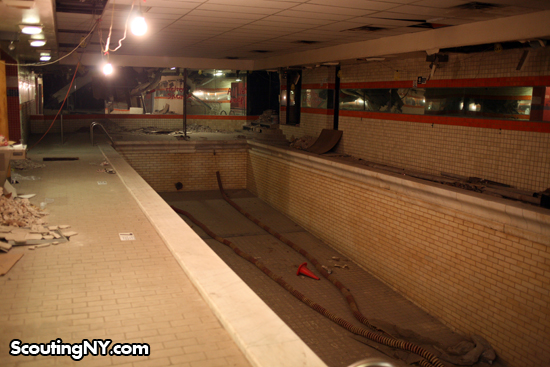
(98, 287)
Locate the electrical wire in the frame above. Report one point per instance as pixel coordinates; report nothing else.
(107, 45)
(83, 41)
(60, 108)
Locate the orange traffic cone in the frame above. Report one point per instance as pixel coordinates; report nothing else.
(303, 270)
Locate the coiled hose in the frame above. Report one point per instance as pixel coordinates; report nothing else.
(389, 341)
(344, 290)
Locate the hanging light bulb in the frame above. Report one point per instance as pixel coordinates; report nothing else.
(107, 69)
(11, 47)
(37, 43)
(139, 26)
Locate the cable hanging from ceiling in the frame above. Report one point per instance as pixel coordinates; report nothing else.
(138, 28)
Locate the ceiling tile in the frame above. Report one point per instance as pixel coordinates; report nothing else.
(305, 14)
(238, 9)
(357, 4)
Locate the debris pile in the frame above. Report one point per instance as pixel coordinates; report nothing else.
(111, 126)
(25, 164)
(266, 118)
(302, 143)
(191, 128)
(18, 212)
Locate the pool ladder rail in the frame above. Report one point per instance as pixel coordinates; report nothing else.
(94, 124)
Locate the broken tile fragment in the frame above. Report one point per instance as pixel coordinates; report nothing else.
(5, 229)
(53, 228)
(64, 226)
(5, 247)
(69, 233)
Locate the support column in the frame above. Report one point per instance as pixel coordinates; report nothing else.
(4, 130)
(540, 104)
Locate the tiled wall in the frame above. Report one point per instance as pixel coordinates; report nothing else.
(518, 158)
(464, 270)
(311, 124)
(515, 153)
(162, 169)
(487, 64)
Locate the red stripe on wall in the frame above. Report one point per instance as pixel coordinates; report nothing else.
(540, 127)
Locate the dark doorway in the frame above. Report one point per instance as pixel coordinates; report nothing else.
(294, 96)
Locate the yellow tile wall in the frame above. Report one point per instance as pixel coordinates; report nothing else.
(196, 171)
(487, 64)
(517, 158)
(310, 125)
(475, 279)
(520, 159)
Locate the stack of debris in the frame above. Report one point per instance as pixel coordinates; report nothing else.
(266, 118)
(18, 212)
(302, 143)
(25, 164)
(36, 235)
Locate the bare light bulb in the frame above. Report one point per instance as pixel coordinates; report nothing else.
(108, 69)
(37, 43)
(11, 47)
(31, 29)
(138, 26)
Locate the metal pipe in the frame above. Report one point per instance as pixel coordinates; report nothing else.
(62, 127)
(185, 103)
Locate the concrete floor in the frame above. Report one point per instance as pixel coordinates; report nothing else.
(333, 344)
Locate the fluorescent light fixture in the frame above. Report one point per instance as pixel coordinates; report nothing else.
(108, 69)
(218, 73)
(238, 79)
(37, 43)
(45, 58)
(139, 26)
(31, 29)
(174, 68)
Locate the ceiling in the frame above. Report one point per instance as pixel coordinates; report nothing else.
(264, 33)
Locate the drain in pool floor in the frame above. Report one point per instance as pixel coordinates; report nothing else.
(60, 159)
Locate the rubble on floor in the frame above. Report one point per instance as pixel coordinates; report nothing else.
(302, 143)
(18, 212)
(268, 118)
(25, 164)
